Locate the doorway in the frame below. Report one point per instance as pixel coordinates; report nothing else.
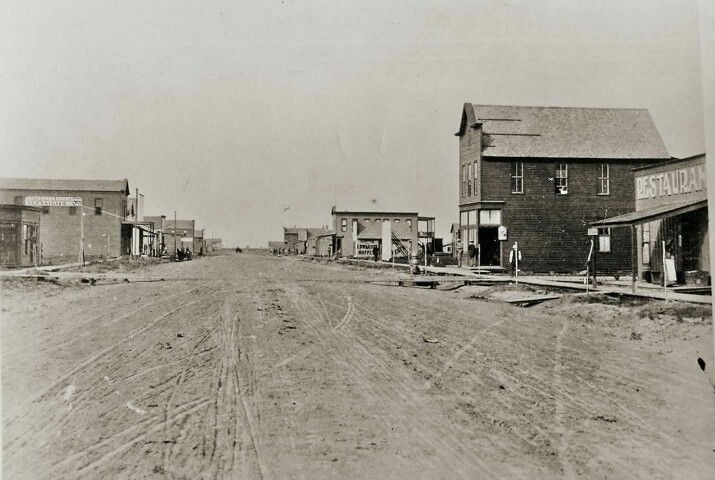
(489, 247)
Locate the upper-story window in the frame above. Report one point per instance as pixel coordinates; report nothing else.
(469, 180)
(98, 204)
(409, 223)
(366, 221)
(73, 211)
(474, 187)
(344, 225)
(464, 180)
(517, 177)
(562, 179)
(604, 179)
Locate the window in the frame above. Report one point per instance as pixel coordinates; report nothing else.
(344, 225)
(409, 223)
(366, 221)
(469, 180)
(490, 217)
(377, 220)
(517, 177)
(45, 210)
(474, 189)
(562, 179)
(98, 206)
(397, 220)
(604, 239)
(645, 240)
(604, 180)
(464, 180)
(73, 210)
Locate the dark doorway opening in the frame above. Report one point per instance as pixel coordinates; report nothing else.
(489, 247)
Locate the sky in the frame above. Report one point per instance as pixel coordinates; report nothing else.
(251, 115)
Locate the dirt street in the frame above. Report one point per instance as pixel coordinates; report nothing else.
(265, 367)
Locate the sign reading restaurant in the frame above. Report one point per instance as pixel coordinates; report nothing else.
(679, 181)
(36, 201)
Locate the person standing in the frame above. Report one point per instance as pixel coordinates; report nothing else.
(375, 252)
(514, 259)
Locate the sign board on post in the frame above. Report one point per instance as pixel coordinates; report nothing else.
(502, 233)
(36, 201)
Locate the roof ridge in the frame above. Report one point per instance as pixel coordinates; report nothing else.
(558, 107)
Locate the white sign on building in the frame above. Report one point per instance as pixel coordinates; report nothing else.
(38, 201)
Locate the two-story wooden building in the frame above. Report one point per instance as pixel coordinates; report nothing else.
(540, 176)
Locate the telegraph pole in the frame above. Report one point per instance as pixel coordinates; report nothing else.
(81, 229)
(174, 235)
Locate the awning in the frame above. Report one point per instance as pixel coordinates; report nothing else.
(650, 214)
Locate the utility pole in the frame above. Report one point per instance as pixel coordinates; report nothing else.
(174, 235)
(136, 222)
(81, 229)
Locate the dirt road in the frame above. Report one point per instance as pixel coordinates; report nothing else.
(263, 367)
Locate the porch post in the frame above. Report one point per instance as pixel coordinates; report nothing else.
(634, 257)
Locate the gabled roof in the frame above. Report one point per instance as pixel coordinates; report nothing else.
(564, 132)
(62, 184)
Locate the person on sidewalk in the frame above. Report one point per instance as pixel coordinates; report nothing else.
(514, 259)
(375, 252)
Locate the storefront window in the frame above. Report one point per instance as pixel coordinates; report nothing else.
(344, 225)
(490, 217)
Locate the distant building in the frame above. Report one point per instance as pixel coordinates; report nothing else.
(145, 239)
(540, 175)
(277, 246)
(213, 244)
(395, 234)
(295, 239)
(157, 224)
(74, 209)
(179, 234)
(319, 242)
(19, 235)
(671, 216)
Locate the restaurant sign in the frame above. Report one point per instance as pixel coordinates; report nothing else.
(680, 181)
(36, 201)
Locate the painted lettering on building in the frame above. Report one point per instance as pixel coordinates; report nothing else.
(674, 182)
(38, 201)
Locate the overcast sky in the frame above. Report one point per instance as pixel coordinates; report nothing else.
(231, 112)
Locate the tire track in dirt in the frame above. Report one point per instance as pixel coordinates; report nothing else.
(61, 416)
(363, 361)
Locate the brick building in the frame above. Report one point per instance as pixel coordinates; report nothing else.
(179, 234)
(63, 202)
(19, 235)
(540, 175)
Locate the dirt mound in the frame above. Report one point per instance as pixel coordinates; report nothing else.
(122, 264)
(651, 321)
